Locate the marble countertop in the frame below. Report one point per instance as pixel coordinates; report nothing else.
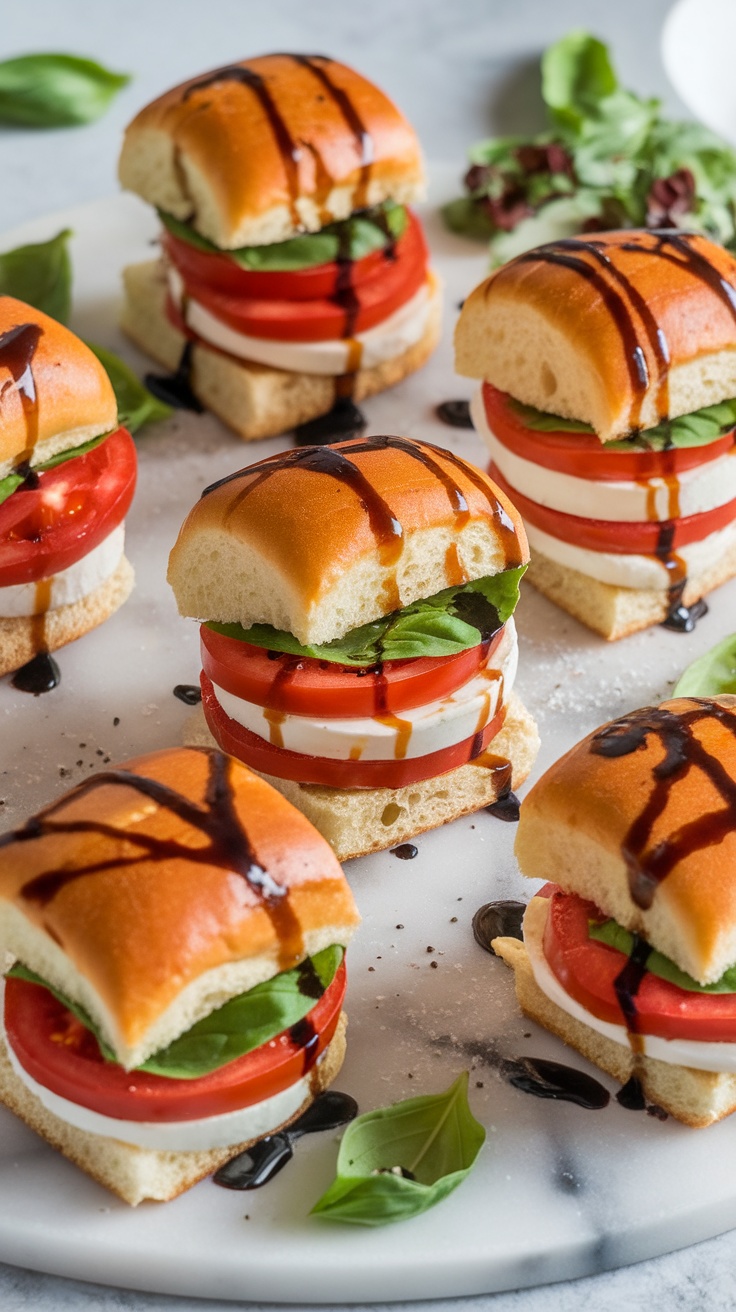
(460, 71)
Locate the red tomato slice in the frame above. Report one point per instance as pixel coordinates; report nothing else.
(323, 318)
(613, 535)
(585, 456)
(221, 273)
(45, 529)
(283, 764)
(587, 971)
(59, 1053)
(312, 687)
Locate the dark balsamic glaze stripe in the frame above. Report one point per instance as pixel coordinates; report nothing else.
(17, 348)
(260, 1163)
(318, 65)
(684, 255)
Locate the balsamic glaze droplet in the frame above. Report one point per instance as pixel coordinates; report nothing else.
(343, 421)
(552, 1079)
(506, 808)
(260, 1163)
(631, 1095)
(328, 1112)
(309, 983)
(176, 388)
(498, 920)
(188, 693)
(405, 851)
(682, 619)
(41, 674)
(456, 414)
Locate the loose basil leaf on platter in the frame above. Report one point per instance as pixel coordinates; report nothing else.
(699, 428)
(616, 936)
(436, 1139)
(13, 481)
(711, 674)
(136, 405)
(357, 236)
(55, 90)
(244, 1023)
(436, 626)
(41, 275)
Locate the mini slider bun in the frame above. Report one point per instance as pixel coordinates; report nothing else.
(148, 896)
(556, 328)
(257, 151)
(639, 819)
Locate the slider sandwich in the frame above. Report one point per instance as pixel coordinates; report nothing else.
(293, 276)
(629, 951)
(609, 404)
(67, 476)
(178, 934)
(357, 641)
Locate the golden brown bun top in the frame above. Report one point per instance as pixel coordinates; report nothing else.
(51, 385)
(619, 329)
(640, 817)
(382, 520)
(261, 149)
(150, 874)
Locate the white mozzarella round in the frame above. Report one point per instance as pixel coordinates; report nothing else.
(692, 492)
(70, 585)
(392, 337)
(700, 1055)
(632, 571)
(414, 733)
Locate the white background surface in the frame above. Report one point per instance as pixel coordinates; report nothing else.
(458, 71)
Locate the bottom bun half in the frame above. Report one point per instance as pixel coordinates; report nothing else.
(138, 1174)
(357, 821)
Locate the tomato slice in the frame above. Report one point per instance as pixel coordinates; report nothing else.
(583, 455)
(221, 273)
(320, 688)
(47, 528)
(613, 535)
(58, 1052)
(587, 970)
(283, 764)
(391, 285)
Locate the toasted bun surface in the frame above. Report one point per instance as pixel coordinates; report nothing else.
(320, 540)
(160, 898)
(585, 328)
(640, 818)
(255, 152)
(54, 393)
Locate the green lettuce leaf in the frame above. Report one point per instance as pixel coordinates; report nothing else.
(241, 1025)
(435, 1138)
(52, 91)
(616, 936)
(136, 405)
(452, 621)
(357, 236)
(12, 481)
(696, 429)
(41, 275)
(712, 674)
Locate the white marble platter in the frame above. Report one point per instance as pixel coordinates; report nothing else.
(558, 1191)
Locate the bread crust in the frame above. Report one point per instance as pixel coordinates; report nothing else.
(302, 142)
(74, 399)
(565, 340)
(157, 917)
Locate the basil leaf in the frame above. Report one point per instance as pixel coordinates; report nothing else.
(9, 484)
(436, 1138)
(699, 428)
(50, 91)
(40, 275)
(542, 422)
(452, 621)
(355, 237)
(136, 405)
(465, 217)
(711, 674)
(615, 936)
(241, 1025)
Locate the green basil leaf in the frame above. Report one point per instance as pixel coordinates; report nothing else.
(50, 91)
(12, 481)
(616, 936)
(136, 405)
(436, 1138)
(357, 236)
(451, 621)
(699, 428)
(467, 218)
(40, 275)
(241, 1025)
(711, 674)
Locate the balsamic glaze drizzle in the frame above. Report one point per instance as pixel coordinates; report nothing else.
(188, 693)
(340, 423)
(500, 919)
(260, 1163)
(175, 389)
(18, 346)
(40, 674)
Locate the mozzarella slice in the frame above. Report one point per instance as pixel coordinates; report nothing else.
(692, 492)
(701, 1056)
(70, 585)
(402, 329)
(632, 571)
(413, 733)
